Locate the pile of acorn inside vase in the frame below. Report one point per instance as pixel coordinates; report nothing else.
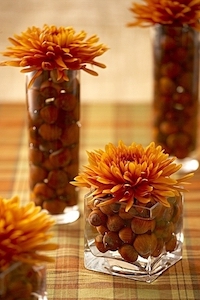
(53, 109)
(176, 89)
(142, 231)
(23, 281)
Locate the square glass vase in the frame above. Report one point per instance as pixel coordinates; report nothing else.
(139, 244)
(23, 281)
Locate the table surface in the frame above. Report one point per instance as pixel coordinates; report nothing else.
(67, 278)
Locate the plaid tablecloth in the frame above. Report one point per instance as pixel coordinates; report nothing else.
(67, 278)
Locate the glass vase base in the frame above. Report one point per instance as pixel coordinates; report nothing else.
(42, 297)
(146, 270)
(189, 164)
(70, 215)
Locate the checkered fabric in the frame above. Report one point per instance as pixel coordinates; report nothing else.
(67, 278)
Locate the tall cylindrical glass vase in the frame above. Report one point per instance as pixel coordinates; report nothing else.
(53, 128)
(176, 91)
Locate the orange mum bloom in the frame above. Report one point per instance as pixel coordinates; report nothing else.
(52, 48)
(177, 13)
(23, 233)
(131, 173)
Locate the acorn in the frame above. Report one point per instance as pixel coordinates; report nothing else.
(66, 101)
(115, 207)
(49, 132)
(178, 210)
(127, 235)
(128, 253)
(168, 43)
(69, 194)
(97, 218)
(47, 165)
(145, 244)
(48, 89)
(20, 285)
(106, 209)
(110, 209)
(102, 229)
(159, 213)
(140, 226)
(60, 158)
(37, 174)
(127, 215)
(57, 179)
(165, 232)
(171, 244)
(34, 118)
(41, 190)
(70, 135)
(167, 86)
(112, 241)
(172, 200)
(35, 105)
(34, 137)
(50, 146)
(49, 114)
(115, 223)
(168, 213)
(99, 244)
(142, 210)
(35, 156)
(159, 248)
(54, 206)
(179, 200)
(72, 170)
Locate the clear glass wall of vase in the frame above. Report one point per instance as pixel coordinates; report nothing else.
(139, 244)
(176, 91)
(53, 128)
(23, 280)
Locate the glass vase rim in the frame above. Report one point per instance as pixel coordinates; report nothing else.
(185, 27)
(10, 268)
(149, 209)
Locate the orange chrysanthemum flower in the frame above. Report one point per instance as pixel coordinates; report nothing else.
(178, 13)
(52, 48)
(23, 233)
(130, 173)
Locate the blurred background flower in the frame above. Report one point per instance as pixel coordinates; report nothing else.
(24, 233)
(166, 12)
